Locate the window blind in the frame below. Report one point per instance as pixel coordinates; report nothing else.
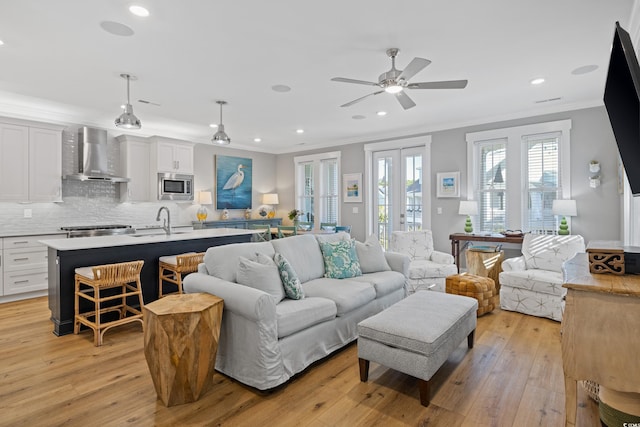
(542, 181)
(492, 184)
(330, 188)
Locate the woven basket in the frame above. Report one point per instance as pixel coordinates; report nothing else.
(591, 388)
(481, 288)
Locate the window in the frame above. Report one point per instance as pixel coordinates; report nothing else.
(318, 187)
(516, 173)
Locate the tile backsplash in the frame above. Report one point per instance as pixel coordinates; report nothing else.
(87, 203)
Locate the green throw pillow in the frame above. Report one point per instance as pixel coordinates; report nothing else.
(290, 281)
(340, 259)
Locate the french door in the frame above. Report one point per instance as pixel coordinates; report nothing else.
(396, 186)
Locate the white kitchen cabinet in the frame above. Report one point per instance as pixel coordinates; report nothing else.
(135, 164)
(14, 158)
(24, 266)
(174, 157)
(45, 165)
(30, 162)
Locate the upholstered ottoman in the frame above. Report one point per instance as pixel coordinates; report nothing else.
(417, 335)
(481, 288)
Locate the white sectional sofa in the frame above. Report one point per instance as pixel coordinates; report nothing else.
(264, 339)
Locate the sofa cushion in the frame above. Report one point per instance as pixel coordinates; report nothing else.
(550, 252)
(289, 277)
(371, 255)
(261, 274)
(294, 316)
(384, 282)
(416, 244)
(222, 261)
(347, 294)
(332, 237)
(340, 259)
(303, 253)
(422, 268)
(542, 281)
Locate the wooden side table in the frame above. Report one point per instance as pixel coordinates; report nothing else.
(180, 344)
(485, 264)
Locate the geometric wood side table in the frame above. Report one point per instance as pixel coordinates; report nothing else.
(485, 264)
(180, 344)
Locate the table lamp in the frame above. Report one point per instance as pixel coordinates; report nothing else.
(564, 208)
(270, 199)
(204, 198)
(468, 208)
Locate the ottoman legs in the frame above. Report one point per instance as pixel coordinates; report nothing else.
(423, 385)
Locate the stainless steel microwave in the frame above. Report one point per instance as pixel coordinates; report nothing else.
(172, 186)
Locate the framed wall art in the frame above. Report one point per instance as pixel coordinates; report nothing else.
(448, 184)
(352, 188)
(233, 182)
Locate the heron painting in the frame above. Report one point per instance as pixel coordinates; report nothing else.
(233, 182)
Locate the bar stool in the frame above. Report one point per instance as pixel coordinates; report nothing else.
(172, 268)
(91, 282)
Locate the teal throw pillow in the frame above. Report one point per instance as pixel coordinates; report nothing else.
(340, 259)
(290, 281)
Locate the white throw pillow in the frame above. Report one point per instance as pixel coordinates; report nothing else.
(371, 256)
(261, 274)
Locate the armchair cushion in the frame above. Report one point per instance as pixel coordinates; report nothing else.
(442, 257)
(550, 252)
(514, 264)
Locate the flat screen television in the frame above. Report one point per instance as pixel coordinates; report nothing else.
(622, 101)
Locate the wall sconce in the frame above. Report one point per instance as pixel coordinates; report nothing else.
(594, 174)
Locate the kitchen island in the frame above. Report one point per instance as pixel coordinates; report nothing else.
(65, 255)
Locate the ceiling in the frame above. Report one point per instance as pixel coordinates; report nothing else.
(59, 65)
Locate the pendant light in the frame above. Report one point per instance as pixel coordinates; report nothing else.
(127, 119)
(220, 137)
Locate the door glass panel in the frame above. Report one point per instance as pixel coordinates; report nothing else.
(383, 200)
(413, 190)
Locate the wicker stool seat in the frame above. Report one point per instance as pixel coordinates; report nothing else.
(481, 288)
(93, 284)
(173, 268)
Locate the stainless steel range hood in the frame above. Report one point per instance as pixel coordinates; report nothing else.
(92, 157)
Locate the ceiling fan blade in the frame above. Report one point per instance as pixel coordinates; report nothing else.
(450, 84)
(360, 99)
(415, 66)
(360, 82)
(405, 101)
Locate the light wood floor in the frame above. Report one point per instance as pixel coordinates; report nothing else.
(512, 377)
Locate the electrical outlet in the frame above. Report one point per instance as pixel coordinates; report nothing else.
(28, 213)
(439, 210)
(354, 210)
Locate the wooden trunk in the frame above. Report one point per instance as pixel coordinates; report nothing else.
(485, 264)
(180, 344)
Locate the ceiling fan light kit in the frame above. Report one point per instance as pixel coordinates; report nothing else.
(221, 137)
(127, 119)
(396, 81)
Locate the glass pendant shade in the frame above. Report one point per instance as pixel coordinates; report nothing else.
(127, 119)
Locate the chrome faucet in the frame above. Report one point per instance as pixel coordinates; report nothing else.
(166, 223)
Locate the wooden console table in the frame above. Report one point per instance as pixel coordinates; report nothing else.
(599, 331)
(456, 238)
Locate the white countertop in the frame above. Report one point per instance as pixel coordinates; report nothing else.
(133, 239)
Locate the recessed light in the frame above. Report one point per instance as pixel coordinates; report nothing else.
(116, 28)
(299, 130)
(537, 81)
(584, 69)
(139, 11)
(1, 42)
(381, 113)
(280, 88)
(358, 117)
(213, 125)
(257, 139)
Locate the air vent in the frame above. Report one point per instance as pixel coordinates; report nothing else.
(548, 100)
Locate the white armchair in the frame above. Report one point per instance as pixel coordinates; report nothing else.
(427, 266)
(532, 283)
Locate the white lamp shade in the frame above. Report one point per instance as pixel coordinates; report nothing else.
(204, 198)
(564, 207)
(468, 207)
(270, 199)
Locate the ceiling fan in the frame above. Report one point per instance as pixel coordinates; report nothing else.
(396, 81)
